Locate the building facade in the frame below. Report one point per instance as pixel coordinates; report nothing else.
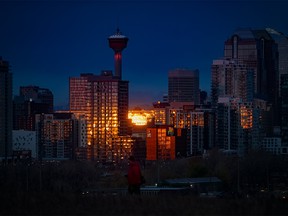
(24, 112)
(231, 78)
(161, 112)
(199, 121)
(259, 51)
(106, 111)
(31, 100)
(282, 44)
(183, 86)
(237, 125)
(274, 146)
(284, 109)
(79, 94)
(24, 142)
(55, 136)
(38, 95)
(6, 110)
(165, 142)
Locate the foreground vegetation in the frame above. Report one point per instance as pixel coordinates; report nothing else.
(56, 188)
(47, 203)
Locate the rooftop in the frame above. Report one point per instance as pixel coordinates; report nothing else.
(118, 34)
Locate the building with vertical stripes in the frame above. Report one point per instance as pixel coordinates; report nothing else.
(183, 86)
(103, 100)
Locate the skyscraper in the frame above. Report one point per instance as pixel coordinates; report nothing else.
(31, 100)
(5, 110)
(282, 44)
(183, 86)
(38, 95)
(237, 127)
(199, 121)
(231, 78)
(104, 100)
(78, 93)
(106, 112)
(284, 109)
(257, 50)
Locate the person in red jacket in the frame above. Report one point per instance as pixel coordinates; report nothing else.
(134, 176)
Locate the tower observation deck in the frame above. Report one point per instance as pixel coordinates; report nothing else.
(118, 42)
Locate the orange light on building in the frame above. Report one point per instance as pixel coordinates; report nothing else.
(139, 118)
(246, 117)
(198, 120)
(160, 145)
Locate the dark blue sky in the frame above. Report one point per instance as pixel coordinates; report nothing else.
(46, 42)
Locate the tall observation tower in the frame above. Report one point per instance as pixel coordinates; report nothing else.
(118, 42)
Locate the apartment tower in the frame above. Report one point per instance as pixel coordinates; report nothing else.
(231, 78)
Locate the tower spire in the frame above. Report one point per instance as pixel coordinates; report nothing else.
(118, 31)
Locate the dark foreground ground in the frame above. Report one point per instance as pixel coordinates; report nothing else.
(57, 188)
(77, 204)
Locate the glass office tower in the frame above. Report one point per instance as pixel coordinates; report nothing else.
(258, 51)
(183, 86)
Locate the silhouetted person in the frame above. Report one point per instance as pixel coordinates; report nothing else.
(134, 176)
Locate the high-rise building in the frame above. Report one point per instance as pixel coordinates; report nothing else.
(199, 121)
(104, 100)
(160, 112)
(231, 78)
(106, 112)
(31, 100)
(78, 93)
(238, 127)
(55, 136)
(284, 109)
(257, 50)
(38, 95)
(183, 86)
(228, 127)
(80, 135)
(282, 44)
(5, 110)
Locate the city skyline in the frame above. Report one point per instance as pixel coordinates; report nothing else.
(44, 39)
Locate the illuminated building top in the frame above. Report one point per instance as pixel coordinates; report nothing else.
(118, 43)
(118, 35)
